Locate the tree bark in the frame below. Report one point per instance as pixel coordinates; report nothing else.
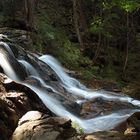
(76, 23)
(98, 47)
(29, 6)
(127, 42)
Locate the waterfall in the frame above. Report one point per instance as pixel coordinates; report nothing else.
(10, 64)
(4, 63)
(32, 73)
(65, 78)
(29, 68)
(101, 122)
(7, 48)
(75, 87)
(5, 55)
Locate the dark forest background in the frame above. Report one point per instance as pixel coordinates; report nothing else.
(97, 39)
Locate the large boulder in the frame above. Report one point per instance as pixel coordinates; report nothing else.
(15, 101)
(35, 125)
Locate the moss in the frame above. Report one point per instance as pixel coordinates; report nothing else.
(76, 126)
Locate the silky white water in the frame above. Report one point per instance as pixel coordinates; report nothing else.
(65, 78)
(71, 84)
(32, 73)
(101, 123)
(73, 87)
(30, 70)
(7, 48)
(4, 63)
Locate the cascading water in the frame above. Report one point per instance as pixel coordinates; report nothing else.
(100, 122)
(7, 67)
(30, 70)
(71, 84)
(7, 48)
(65, 78)
(32, 73)
(5, 53)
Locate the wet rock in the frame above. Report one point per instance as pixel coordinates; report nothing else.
(1, 70)
(131, 134)
(103, 84)
(18, 41)
(110, 135)
(15, 101)
(20, 37)
(8, 54)
(134, 121)
(100, 106)
(129, 131)
(133, 90)
(36, 126)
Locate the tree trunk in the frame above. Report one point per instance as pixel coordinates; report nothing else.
(29, 5)
(127, 42)
(98, 47)
(99, 42)
(76, 23)
(82, 16)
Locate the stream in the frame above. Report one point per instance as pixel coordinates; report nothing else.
(64, 95)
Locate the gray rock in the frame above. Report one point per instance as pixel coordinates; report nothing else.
(35, 125)
(15, 101)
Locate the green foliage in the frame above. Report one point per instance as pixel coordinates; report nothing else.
(69, 55)
(121, 83)
(97, 25)
(129, 5)
(44, 27)
(110, 73)
(107, 5)
(84, 62)
(107, 19)
(78, 128)
(91, 72)
(87, 75)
